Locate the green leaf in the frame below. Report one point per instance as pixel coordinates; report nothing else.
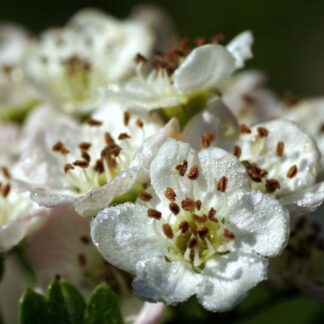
(33, 308)
(66, 305)
(102, 307)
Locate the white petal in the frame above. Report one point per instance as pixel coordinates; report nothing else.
(124, 235)
(240, 48)
(150, 313)
(89, 204)
(205, 67)
(227, 283)
(304, 201)
(217, 119)
(170, 282)
(259, 222)
(299, 149)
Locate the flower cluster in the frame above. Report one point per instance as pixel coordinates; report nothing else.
(122, 152)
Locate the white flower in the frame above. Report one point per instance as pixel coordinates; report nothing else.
(90, 164)
(199, 230)
(92, 50)
(179, 76)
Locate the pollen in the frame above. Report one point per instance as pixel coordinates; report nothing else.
(145, 196)
(167, 230)
(188, 204)
(139, 123)
(280, 149)
(193, 173)
(244, 129)
(93, 122)
(211, 215)
(123, 136)
(86, 156)
(193, 243)
(60, 148)
(222, 184)
(6, 172)
(99, 166)
(81, 164)
(292, 172)
(262, 132)
(182, 167)
(68, 167)
(84, 146)
(5, 190)
(237, 151)
(203, 232)
(199, 219)
(153, 213)
(170, 194)
(198, 204)
(184, 227)
(228, 234)
(175, 209)
(272, 185)
(206, 140)
(126, 118)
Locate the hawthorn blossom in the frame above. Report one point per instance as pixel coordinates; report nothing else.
(88, 165)
(198, 230)
(92, 50)
(182, 74)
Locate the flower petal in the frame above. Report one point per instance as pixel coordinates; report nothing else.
(205, 67)
(123, 234)
(150, 313)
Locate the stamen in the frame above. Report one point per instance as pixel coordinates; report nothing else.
(170, 194)
(139, 123)
(93, 122)
(200, 41)
(262, 132)
(206, 139)
(203, 232)
(193, 243)
(86, 156)
(68, 167)
(123, 136)
(193, 173)
(280, 149)
(292, 172)
(211, 215)
(217, 38)
(199, 219)
(188, 204)
(82, 260)
(222, 184)
(139, 58)
(244, 129)
(167, 230)
(99, 166)
(153, 213)
(198, 204)
(272, 185)
(81, 164)
(5, 190)
(112, 146)
(84, 146)
(59, 147)
(145, 196)
(228, 234)
(237, 151)
(175, 209)
(6, 172)
(126, 118)
(182, 167)
(184, 227)
(254, 171)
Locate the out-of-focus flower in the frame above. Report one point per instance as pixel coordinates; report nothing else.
(90, 164)
(199, 230)
(92, 50)
(182, 74)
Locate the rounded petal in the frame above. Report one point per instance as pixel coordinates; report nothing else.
(123, 234)
(227, 284)
(216, 119)
(205, 67)
(150, 313)
(259, 222)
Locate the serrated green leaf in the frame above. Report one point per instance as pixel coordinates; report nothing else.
(33, 308)
(102, 307)
(66, 305)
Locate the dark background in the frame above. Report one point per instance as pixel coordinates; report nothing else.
(289, 34)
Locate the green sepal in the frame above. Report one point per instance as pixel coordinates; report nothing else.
(19, 113)
(129, 196)
(102, 307)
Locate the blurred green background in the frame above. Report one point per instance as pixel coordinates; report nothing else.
(288, 47)
(288, 33)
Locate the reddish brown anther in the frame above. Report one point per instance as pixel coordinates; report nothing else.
(198, 204)
(203, 232)
(237, 151)
(280, 149)
(60, 148)
(6, 172)
(99, 166)
(126, 118)
(123, 136)
(5, 190)
(254, 171)
(86, 156)
(167, 230)
(217, 38)
(272, 185)
(200, 41)
(206, 139)
(170, 194)
(182, 167)
(212, 214)
(84, 146)
(93, 122)
(199, 219)
(175, 209)
(228, 234)
(81, 164)
(188, 204)
(139, 58)
(193, 243)
(184, 227)
(139, 123)
(193, 173)
(222, 184)
(68, 167)
(153, 213)
(262, 132)
(292, 172)
(145, 196)
(244, 129)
